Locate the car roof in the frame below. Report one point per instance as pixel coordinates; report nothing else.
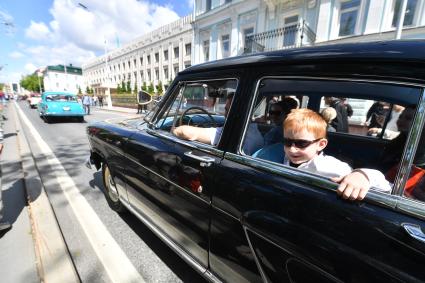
(57, 92)
(381, 51)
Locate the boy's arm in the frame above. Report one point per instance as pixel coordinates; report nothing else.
(355, 185)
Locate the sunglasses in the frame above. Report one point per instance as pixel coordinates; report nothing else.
(299, 143)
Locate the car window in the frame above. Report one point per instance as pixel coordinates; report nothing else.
(372, 128)
(198, 104)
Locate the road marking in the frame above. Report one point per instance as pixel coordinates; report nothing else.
(114, 260)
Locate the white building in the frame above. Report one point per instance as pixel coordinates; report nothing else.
(152, 58)
(63, 78)
(225, 28)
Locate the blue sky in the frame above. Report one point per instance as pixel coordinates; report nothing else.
(34, 34)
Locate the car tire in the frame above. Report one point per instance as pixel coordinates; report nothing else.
(81, 119)
(111, 192)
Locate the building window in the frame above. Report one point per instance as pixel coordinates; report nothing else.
(141, 75)
(206, 48)
(188, 49)
(208, 5)
(141, 61)
(291, 31)
(148, 57)
(165, 55)
(135, 63)
(225, 45)
(176, 70)
(409, 14)
(176, 52)
(129, 64)
(156, 57)
(349, 12)
(166, 73)
(156, 74)
(148, 75)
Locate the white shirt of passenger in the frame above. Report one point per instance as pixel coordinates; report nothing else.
(329, 166)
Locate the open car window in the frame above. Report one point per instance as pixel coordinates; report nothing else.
(373, 123)
(199, 104)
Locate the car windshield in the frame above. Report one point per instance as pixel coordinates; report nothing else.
(61, 97)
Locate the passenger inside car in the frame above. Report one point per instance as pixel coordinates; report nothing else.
(254, 140)
(277, 113)
(304, 142)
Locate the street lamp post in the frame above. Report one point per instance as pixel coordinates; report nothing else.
(107, 88)
(39, 74)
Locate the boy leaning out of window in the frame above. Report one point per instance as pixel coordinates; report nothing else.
(304, 142)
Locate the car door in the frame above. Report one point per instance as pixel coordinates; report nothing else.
(169, 179)
(298, 230)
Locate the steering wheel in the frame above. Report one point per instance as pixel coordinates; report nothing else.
(200, 109)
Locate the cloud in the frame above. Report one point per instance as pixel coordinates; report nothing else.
(37, 31)
(30, 68)
(16, 55)
(101, 20)
(77, 34)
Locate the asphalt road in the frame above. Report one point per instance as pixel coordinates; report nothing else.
(150, 257)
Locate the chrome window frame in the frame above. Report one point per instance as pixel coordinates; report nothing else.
(393, 200)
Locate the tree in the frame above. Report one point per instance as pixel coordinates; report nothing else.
(79, 90)
(122, 86)
(128, 87)
(87, 89)
(144, 87)
(118, 88)
(30, 82)
(151, 89)
(136, 89)
(159, 88)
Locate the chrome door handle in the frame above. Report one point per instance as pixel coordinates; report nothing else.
(205, 160)
(414, 231)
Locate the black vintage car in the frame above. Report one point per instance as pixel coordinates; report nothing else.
(238, 216)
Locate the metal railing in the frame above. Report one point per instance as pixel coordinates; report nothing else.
(293, 36)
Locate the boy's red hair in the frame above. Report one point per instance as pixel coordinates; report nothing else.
(305, 119)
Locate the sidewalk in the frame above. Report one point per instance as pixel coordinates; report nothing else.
(116, 109)
(34, 249)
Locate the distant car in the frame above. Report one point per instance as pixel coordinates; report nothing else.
(34, 99)
(60, 104)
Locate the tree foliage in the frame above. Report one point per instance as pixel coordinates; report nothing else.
(144, 87)
(122, 86)
(128, 87)
(159, 88)
(136, 88)
(151, 88)
(30, 82)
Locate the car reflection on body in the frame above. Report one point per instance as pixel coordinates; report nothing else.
(60, 104)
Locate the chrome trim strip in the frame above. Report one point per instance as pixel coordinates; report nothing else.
(257, 262)
(224, 212)
(190, 144)
(411, 207)
(410, 147)
(174, 184)
(374, 197)
(169, 242)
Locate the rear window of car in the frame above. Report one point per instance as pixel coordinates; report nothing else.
(58, 97)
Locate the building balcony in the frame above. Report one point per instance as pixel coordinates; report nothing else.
(282, 38)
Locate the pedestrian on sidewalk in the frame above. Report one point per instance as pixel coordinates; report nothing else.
(87, 101)
(143, 99)
(100, 100)
(4, 226)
